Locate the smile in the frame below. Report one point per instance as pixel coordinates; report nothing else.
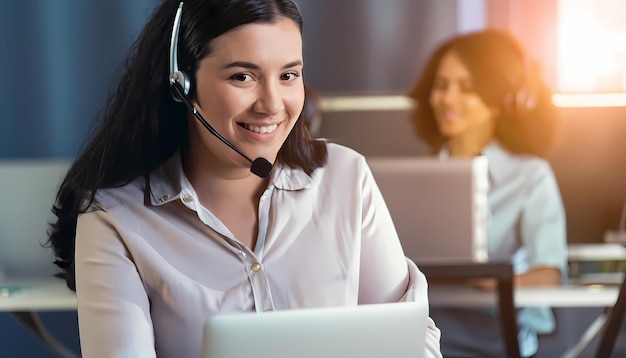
(260, 129)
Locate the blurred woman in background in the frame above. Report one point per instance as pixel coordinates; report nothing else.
(481, 94)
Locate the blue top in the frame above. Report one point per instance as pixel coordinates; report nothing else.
(526, 225)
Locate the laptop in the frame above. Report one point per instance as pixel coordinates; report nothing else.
(439, 207)
(366, 331)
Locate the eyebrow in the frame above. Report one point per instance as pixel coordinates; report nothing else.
(462, 80)
(253, 66)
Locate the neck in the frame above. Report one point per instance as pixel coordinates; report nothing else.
(218, 186)
(470, 144)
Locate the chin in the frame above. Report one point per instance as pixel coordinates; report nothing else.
(448, 131)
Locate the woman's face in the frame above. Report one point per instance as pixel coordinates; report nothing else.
(457, 107)
(250, 90)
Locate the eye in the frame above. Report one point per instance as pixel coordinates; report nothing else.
(440, 85)
(289, 76)
(468, 88)
(241, 77)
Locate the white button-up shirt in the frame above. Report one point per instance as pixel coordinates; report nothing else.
(152, 266)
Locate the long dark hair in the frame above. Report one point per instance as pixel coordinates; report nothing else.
(142, 126)
(500, 67)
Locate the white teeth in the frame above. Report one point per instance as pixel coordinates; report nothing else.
(257, 129)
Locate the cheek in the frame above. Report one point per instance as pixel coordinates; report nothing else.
(478, 107)
(295, 103)
(474, 102)
(433, 98)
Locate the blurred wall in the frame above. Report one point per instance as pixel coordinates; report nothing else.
(373, 46)
(57, 58)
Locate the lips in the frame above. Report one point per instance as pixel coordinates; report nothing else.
(448, 116)
(260, 129)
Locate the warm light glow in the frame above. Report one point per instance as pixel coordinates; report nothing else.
(582, 100)
(591, 46)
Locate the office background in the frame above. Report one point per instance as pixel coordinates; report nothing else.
(58, 58)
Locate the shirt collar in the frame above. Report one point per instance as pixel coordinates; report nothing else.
(500, 161)
(168, 180)
(286, 178)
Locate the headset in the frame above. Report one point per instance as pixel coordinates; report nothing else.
(177, 76)
(180, 85)
(525, 97)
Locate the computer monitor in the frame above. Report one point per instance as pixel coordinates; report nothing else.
(29, 190)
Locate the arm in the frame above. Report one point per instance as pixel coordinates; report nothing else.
(539, 276)
(543, 232)
(113, 307)
(386, 274)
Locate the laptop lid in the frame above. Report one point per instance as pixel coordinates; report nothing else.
(365, 331)
(439, 207)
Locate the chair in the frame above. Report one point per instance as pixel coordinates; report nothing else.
(502, 272)
(614, 319)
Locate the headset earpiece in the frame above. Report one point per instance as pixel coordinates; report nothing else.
(524, 98)
(181, 79)
(177, 76)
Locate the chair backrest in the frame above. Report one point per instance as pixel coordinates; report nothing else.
(613, 324)
(29, 189)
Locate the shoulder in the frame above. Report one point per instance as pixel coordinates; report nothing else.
(345, 167)
(129, 195)
(504, 165)
(341, 156)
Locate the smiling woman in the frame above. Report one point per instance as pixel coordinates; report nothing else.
(162, 223)
(481, 94)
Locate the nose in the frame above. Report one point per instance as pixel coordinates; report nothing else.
(449, 94)
(270, 99)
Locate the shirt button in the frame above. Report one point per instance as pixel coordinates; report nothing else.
(255, 267)
(165, 197)
(187, 198)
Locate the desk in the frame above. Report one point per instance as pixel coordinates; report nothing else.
(564, 296)
(24, 298)
(20, 295)
(596, 252)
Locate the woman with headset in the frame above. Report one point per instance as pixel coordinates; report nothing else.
(481, 94)
(164, 220)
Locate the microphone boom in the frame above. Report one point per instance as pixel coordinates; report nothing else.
(260, 166)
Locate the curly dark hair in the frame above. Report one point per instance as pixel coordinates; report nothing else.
(501, 68)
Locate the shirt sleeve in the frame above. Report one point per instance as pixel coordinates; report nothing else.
(386, 274)
(113, 306)
(543, 224)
